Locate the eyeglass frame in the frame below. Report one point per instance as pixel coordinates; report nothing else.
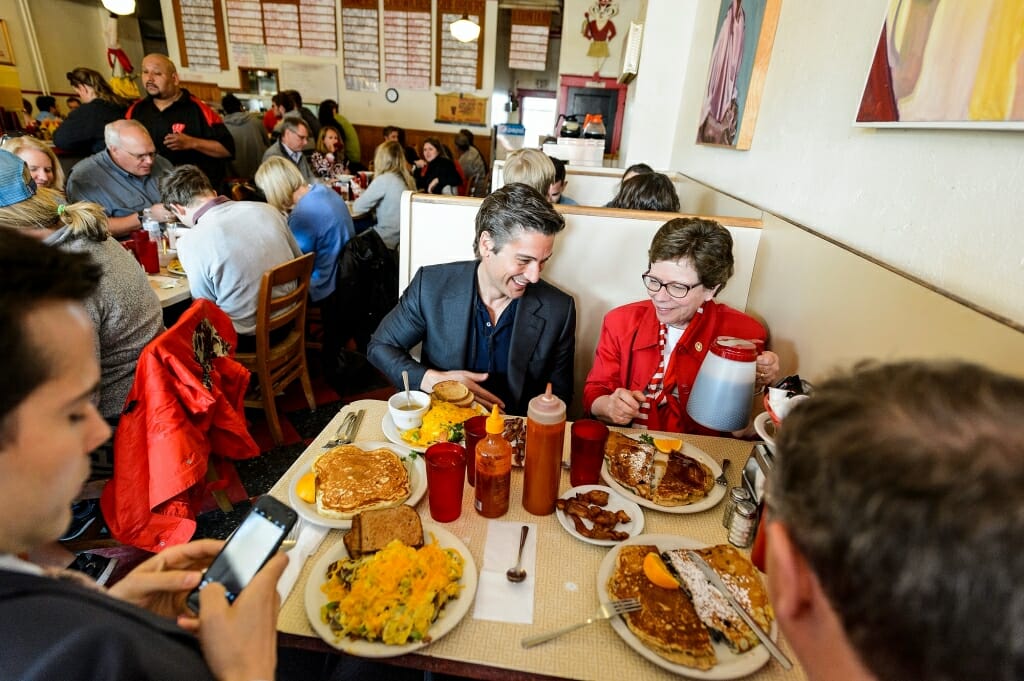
(151, 155)
(666, 284)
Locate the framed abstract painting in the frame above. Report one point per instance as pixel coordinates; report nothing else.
(948, 64)
(739, 63)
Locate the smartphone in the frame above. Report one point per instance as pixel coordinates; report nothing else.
(250, 546)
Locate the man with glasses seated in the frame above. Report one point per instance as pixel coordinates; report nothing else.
(650, 351)
(290, 145)
(124, 178)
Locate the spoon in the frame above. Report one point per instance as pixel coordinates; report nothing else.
(405, 380)
(517, 574)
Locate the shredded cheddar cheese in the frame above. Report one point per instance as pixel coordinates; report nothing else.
(392, 596)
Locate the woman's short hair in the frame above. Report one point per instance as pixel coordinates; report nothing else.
(650, 191)
(16, 144)
(278, 178)
(704, 243)
(442, 150)
(390, 158)
(529, 166)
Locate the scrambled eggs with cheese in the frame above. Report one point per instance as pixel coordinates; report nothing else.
(392, 596)
(442, 423)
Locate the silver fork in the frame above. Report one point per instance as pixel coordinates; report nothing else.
(607, 611)
(288, 543)
(343, 435)
(721, 479)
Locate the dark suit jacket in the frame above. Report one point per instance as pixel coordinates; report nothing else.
(52, 629)
(437, 310)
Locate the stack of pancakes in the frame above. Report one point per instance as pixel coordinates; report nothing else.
(350, 480)
(674, 479)
(680, 624)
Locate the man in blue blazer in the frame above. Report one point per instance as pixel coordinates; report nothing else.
(490, 323)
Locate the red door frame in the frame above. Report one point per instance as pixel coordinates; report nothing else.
(567, 82)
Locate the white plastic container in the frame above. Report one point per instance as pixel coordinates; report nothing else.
(722, 392)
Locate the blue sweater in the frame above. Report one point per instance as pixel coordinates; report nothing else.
(321, 224)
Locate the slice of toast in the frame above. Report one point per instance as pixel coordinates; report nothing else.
(377, 528)
(741, 578)
(667, 622)
(351, 538)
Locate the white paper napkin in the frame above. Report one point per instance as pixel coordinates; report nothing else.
(498, 599)
(310, 537)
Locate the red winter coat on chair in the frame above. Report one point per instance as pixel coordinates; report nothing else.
(185, 404)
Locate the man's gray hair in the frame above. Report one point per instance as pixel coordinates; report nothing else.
(292, 123)
(113, 131)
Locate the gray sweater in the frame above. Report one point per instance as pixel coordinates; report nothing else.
(125, 312)
(384, 195)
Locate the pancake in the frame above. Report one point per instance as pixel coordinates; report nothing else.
(741, 578)
(350, 480)
(667, 622)
(683, 481)
(630, 462)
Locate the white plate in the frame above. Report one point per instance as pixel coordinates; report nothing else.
(391, 433)
(616, 502)
(417, 486)
(453, 612)
(730, 665)
(716, 494)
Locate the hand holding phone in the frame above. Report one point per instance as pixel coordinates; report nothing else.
(250, 546)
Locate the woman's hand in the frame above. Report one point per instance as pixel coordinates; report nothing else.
(620, 408)
(420, 163)
(433, 185)
(767, 368)
(162, 583)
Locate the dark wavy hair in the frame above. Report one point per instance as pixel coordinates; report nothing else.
(513, 209)
(704, 243)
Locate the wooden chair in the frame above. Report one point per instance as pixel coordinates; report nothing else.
(276, 366)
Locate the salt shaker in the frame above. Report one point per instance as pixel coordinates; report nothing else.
(736, 495)
(743, 524)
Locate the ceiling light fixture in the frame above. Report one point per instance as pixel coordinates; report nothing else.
(465, 30)
(119, 6)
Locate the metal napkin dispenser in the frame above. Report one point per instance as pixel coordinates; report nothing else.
(757, 470)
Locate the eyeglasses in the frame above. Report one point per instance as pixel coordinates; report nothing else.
(675, 289)
(151, 155)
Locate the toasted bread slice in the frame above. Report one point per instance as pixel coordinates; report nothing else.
(667, 622)
(631, 463)
(740, 578)
(376, 529)
(453, 392)
(351, 538)
(350, 480)
(682, 480)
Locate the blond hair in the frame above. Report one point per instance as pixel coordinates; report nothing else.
(529, 166)
(47, 210)
(16, 144)
(390, 158)
(278, 178)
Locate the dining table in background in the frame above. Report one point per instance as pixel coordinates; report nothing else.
(565, 586)
(170, 288)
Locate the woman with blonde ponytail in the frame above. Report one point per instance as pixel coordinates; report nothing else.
(124, 309)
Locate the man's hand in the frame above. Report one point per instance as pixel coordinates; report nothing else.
(239, 640)
(162, 583)
(469, 379)
(179, 141)
(767, 368)
(620, 408)
(161, 214)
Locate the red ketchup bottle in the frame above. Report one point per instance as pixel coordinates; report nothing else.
(545, 440)
(493, 469)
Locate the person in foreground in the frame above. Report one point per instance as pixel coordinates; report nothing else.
(52, 625)
(649, 352)
(894, 525)
(491, 323)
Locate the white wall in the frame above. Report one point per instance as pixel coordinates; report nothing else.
(945, 206)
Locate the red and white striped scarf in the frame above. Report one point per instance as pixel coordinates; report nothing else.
(655, 392)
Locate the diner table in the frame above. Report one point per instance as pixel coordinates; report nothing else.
(565, 582)
(170, 288)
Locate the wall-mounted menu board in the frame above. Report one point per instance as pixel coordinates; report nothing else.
(407, 43)
(318, 28)
(360, 22)
(201, 39)
(459, 65)
(529, 45)
(285, 26)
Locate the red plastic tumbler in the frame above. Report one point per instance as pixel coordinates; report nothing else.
(445, 474)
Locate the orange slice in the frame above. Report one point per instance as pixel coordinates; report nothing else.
(667, 444)
(305, 488)
(657, 572)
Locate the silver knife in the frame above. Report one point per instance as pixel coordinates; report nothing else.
(356, 423)
(716, 581)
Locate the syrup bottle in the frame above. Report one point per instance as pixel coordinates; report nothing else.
(545, 440)
(493, 469)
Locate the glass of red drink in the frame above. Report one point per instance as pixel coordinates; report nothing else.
(475, 430)
(446, 462)
(586, 451)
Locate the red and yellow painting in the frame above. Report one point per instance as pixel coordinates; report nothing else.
(948, 63)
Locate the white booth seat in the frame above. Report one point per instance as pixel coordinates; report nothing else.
(598, 257)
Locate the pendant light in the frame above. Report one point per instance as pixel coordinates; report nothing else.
(465, 30)
(119, 6)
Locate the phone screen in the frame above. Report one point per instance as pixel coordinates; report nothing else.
(245, 552)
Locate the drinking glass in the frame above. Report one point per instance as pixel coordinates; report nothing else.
(586, 451)
(445, 463)
(475, 430)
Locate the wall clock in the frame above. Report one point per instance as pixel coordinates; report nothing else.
(391, 94)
